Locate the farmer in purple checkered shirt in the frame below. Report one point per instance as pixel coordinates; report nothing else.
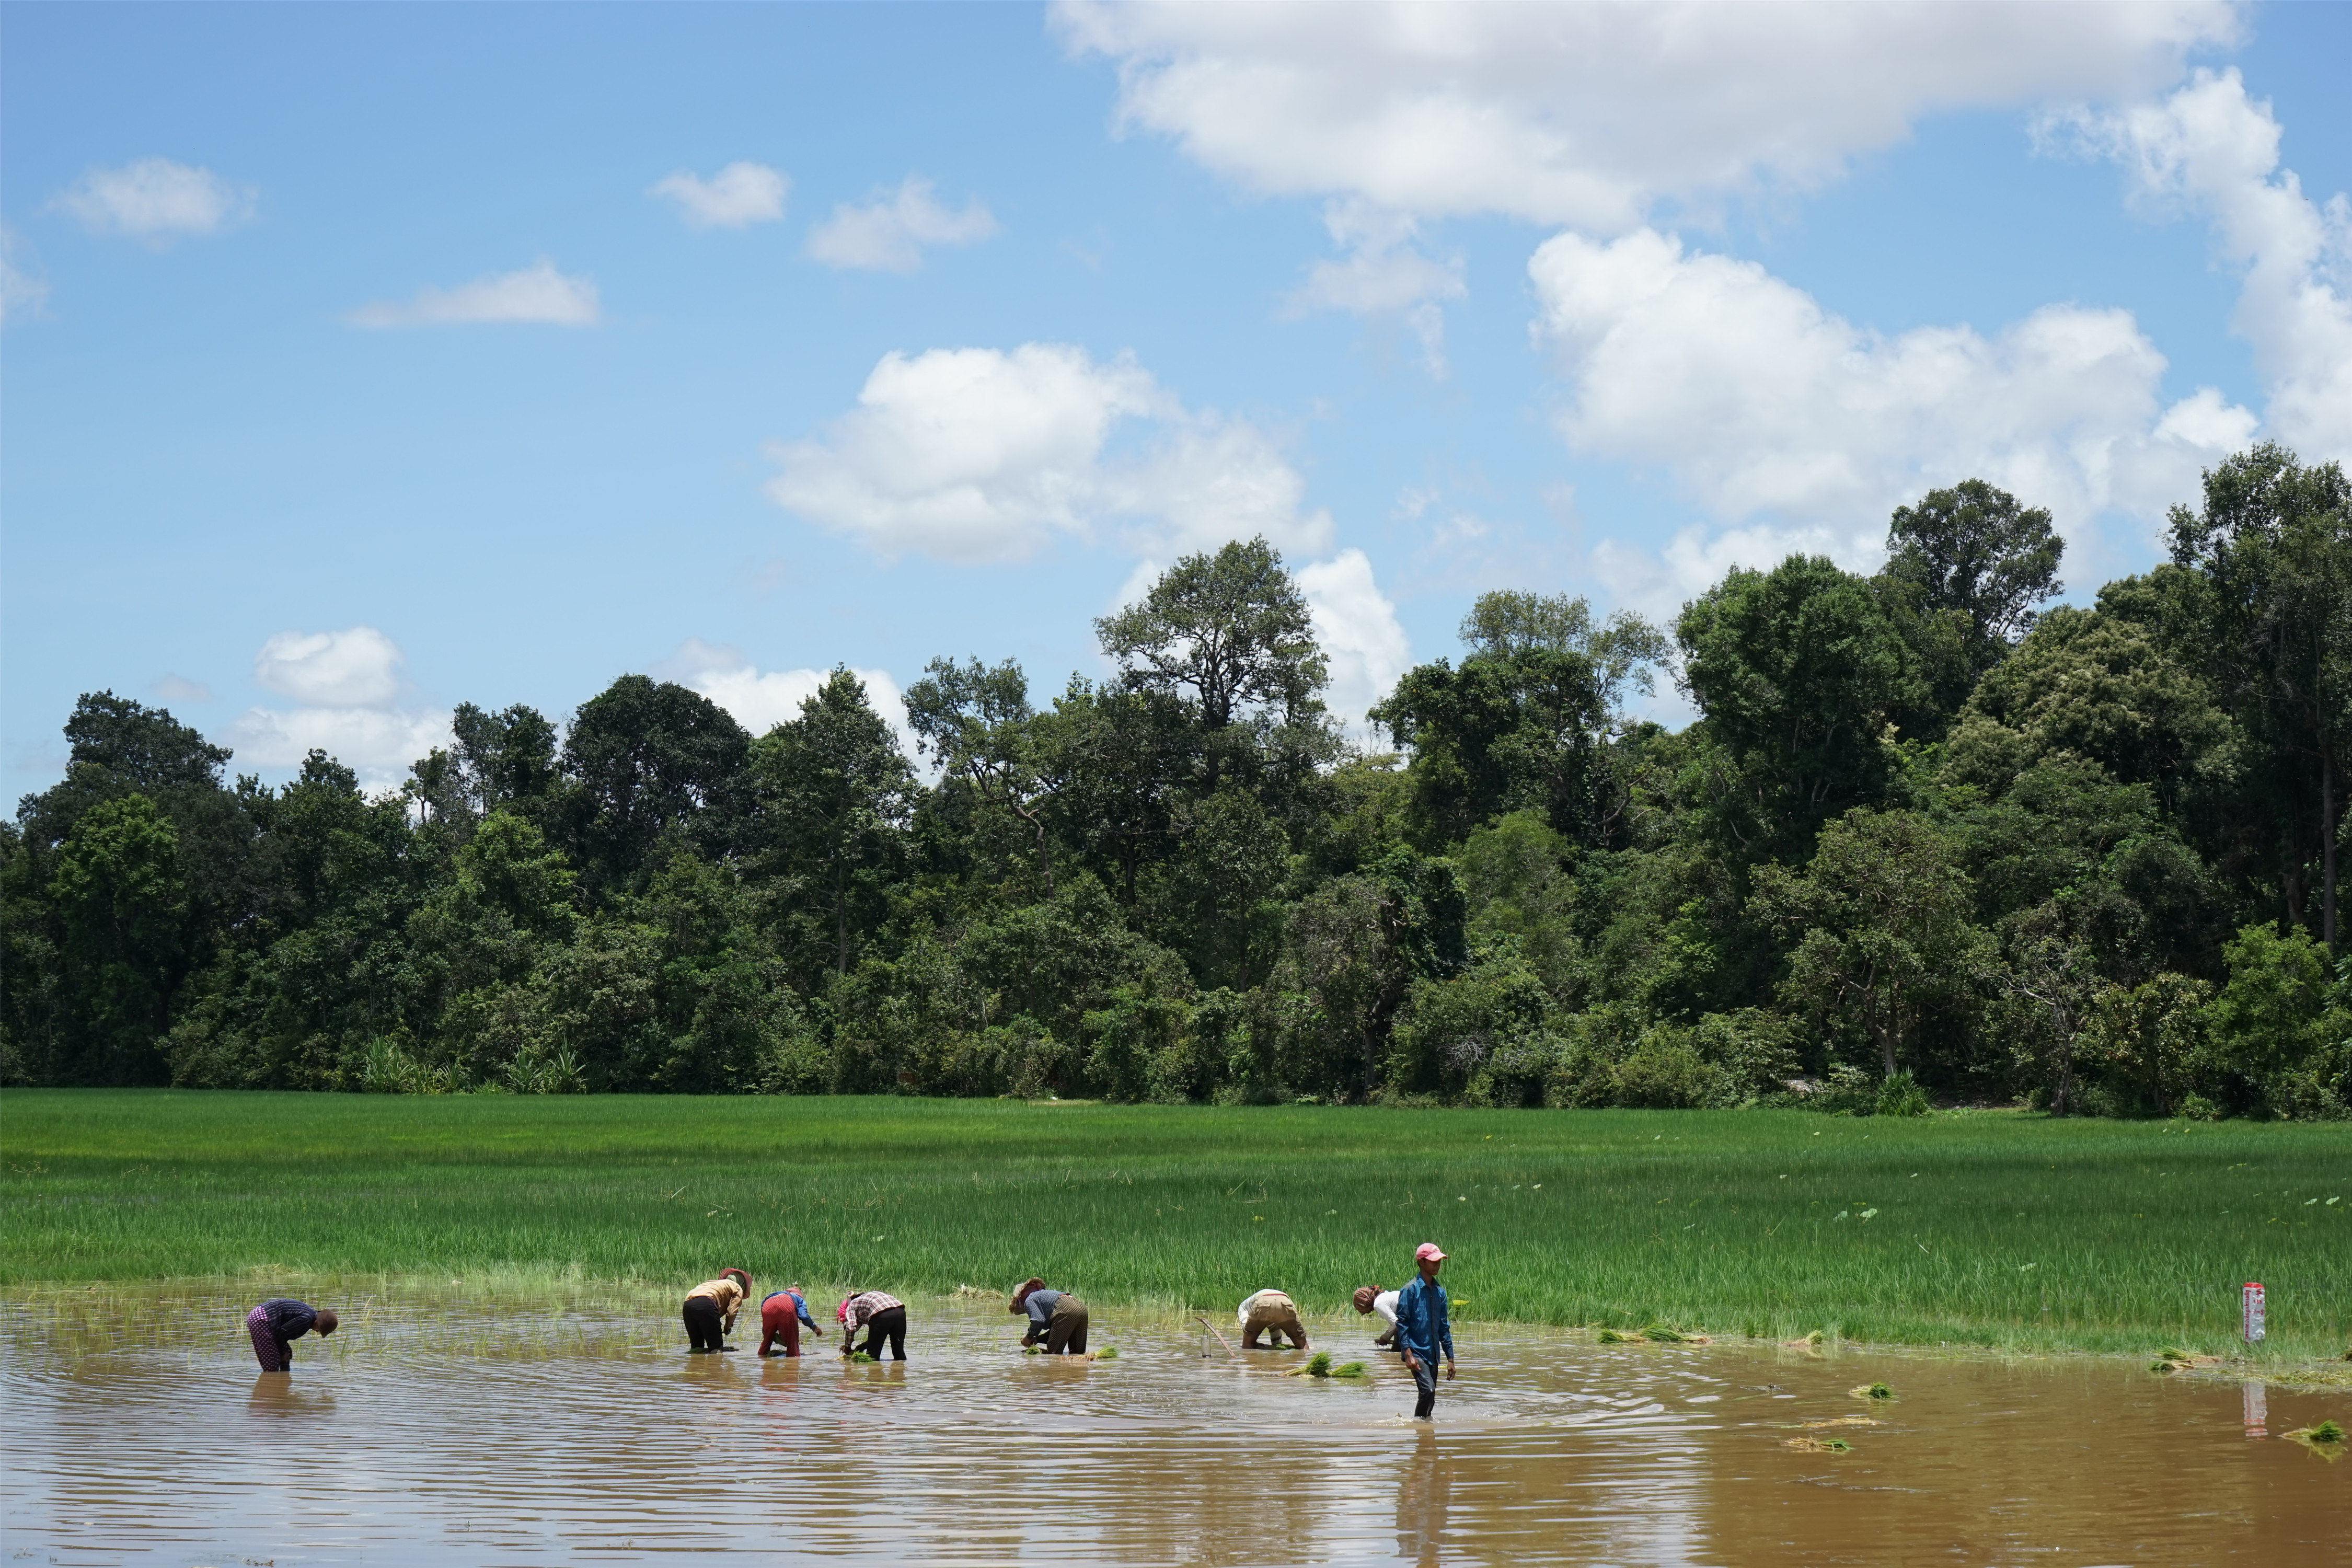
(277, 1322)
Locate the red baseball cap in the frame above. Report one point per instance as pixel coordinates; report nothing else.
(1427, 1253)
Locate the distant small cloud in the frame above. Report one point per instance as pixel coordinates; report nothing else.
(355, 669)
(21, 293)
(348, 684)
(378, 744)
(155, 200)
(888, 232)
(537, 294)
(739, 194)
(760, 701)
(1383, 273)
(173, 689)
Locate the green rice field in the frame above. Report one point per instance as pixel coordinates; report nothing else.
(1965, 1229)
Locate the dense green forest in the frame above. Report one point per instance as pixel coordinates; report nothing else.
(1927, 838)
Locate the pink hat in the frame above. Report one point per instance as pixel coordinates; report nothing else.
(1427, 1253)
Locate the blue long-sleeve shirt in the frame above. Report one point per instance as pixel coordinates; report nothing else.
(1421, 1326)
(800, 1305)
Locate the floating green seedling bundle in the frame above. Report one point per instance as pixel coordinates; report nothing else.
(1818, 1445)
(2327, 1439)
(1611, 1337)
(1106, 1354)
(860, 1358)
(1319, 1365)
(1872, 1391)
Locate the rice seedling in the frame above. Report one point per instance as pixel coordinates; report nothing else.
(1872, 1391)
(1818, 1445)
(1561, 1218)
(2327, 1439)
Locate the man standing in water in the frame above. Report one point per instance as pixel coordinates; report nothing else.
(1421, 1330)
(277, 1323)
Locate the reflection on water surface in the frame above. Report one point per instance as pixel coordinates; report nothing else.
(456, 1433)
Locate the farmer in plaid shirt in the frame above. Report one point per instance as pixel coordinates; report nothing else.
(882, 1316)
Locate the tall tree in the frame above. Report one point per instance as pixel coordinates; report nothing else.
(975, 718)
(834, 796)
(1798, 670)
(1123, 758)
(1230, 637)
(651, 758)
(1979, 550)
(1522, 724)
(1884, 938)
(2274, 541)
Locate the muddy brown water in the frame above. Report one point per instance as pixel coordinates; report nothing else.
(452, 1432)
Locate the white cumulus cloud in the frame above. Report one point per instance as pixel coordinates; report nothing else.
(1589, 115)
(154, 199)
(348, 685)
(1356, 626)
(538, 294)
(888, 232)
(739, 194)
(358, 668)
(760, 700)
(984, 455)
(377, 744)
(2209, 149)
(1768, 410)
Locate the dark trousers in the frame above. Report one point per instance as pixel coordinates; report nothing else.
(702, 1331)
(1065, 1329)
(888, 1324)
(1424, 1382)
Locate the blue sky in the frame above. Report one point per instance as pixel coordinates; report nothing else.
(361, 360)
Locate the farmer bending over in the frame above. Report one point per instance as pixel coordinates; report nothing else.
(277, 1322)
(1273, 1314)
(709, 1310)
(1422, 1328)
(782, 1313)
(1368, 1301)
(1057, 1316)
(883, 1316)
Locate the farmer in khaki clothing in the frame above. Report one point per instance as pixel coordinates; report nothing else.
(1057, 1320)
(1273, 1314)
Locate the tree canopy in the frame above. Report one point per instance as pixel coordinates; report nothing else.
(1923, 837)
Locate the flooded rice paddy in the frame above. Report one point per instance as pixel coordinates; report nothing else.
(455, 1432)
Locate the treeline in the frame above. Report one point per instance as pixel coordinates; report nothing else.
(1924, 839)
